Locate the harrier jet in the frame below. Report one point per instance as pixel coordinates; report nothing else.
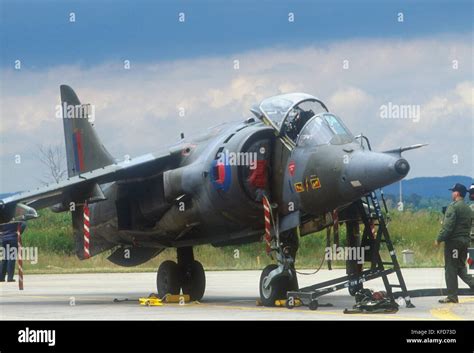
(292, 161)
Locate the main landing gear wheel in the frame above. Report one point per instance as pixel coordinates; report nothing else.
(277, 290)
(194, 280)
(168, 278)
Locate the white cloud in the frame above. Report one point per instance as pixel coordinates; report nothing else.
(137, 110)
(348, 100)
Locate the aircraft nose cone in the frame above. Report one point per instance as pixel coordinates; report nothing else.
(368, 171)
(402, 166)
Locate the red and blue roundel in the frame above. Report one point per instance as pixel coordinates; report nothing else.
(221, 174)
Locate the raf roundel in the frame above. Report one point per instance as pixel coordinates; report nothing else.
(221, 174)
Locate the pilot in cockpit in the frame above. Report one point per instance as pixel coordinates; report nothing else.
(295, 124)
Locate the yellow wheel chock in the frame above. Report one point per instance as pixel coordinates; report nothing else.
(153, 300)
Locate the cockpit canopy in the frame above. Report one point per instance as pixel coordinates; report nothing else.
(304, 119)
(278, 108)
(323, 129)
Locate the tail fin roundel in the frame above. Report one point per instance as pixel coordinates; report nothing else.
(84, 151)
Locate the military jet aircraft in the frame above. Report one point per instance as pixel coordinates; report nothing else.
(292, 152)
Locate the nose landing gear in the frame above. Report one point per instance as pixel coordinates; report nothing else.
(277, 280)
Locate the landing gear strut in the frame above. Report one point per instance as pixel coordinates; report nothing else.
(277, 280)
(193, 278)
(187, 276)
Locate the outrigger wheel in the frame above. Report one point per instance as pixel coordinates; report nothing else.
(277, 290)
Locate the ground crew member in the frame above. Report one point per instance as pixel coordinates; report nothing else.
(455, 234)
(9, 241)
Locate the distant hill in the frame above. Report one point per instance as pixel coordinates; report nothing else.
(428, 187)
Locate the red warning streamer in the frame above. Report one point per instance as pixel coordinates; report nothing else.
(267, 215)
(86, 232)
(20, 257)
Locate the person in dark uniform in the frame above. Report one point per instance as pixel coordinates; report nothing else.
(455, 234)
(9, 241)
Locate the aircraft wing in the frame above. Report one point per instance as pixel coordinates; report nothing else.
(86, 185)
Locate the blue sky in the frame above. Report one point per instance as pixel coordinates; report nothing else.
(40, 34)
(426, 61)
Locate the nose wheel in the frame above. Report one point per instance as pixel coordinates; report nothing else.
(278, 288)
(186, 277)
(274, 291)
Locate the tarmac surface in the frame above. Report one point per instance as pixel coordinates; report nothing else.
(230, 295)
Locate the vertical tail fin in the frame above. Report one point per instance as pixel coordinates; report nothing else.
(84, 151)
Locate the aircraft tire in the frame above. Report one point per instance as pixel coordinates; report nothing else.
(194, 280)
(276, 291)
(168, 278)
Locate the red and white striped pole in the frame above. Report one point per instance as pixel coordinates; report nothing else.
(267, 216)
(20, 257)
(86, 231)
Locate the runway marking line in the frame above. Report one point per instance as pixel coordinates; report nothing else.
(394, 317)
(466, 300)
(445, 313)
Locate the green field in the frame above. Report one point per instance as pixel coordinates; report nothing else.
(52, 235)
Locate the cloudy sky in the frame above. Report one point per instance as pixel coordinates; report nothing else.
(226, 57)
